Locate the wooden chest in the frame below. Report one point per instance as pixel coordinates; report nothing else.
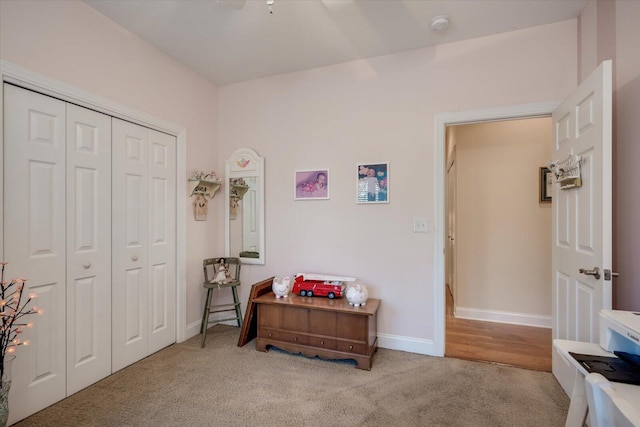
(327, 328)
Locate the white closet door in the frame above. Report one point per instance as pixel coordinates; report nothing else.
(88, 247)
(129, 239)
(162, 240)
(34, 241)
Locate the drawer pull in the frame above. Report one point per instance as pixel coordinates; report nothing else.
(350, 347)
(270, 334)
(295, 339)
(321, 342)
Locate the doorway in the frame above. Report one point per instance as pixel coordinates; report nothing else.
(498, 231)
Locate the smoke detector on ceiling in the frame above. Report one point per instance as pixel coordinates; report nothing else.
(439, 23)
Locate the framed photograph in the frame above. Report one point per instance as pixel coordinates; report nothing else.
(311, 184)
(546, 185)
(249, 328)
(372, 183)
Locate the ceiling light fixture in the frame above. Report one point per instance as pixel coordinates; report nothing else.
(439, 23)
(270, 4)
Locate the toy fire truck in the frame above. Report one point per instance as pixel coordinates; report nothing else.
(321, 285)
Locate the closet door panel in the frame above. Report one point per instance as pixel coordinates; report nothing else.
(129, 240)
(34, 241)
(134, 287)
(88, 247)
(162, 236)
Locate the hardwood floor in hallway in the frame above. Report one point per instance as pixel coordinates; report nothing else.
(521, 346)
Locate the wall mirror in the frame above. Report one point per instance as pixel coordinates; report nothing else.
(244, 206)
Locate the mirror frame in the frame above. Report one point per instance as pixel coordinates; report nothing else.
(244, 162)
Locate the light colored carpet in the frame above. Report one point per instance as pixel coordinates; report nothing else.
(225, 385)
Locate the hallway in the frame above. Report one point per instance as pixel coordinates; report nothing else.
(522, 346)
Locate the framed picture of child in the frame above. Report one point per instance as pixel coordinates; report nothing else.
(311, 184)
(372, 183)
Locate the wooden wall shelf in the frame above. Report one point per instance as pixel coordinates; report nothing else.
(204, 187)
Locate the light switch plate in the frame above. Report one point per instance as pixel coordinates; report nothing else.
(420, 225)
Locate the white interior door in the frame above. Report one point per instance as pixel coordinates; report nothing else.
(582, 227)
(88, 247)
(35, 241)
(162, 241)
(129, 243)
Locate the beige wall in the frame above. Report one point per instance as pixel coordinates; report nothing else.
(503, 233)
(587, 41)
(613, 33)
(380, 110)
(71, 42)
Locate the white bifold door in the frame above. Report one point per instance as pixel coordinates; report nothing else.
(57, 224)
(143, 242)
(89, 218)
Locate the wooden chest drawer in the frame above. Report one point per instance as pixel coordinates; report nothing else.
(292, 337)
(352, 347)
(322, 342)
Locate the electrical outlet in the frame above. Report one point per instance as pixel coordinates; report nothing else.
(420, 225)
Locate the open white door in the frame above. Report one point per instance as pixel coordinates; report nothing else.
(582, 215)
(451, 230)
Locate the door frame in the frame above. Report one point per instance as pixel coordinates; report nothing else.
(28, 79)
(543, 109)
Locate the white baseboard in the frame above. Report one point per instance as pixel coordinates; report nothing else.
(408, 344)
(503, 317)
(193, 329)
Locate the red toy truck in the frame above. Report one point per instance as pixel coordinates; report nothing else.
(321, 285)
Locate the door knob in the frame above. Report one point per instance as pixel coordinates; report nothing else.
(87, 265)
(595, 272)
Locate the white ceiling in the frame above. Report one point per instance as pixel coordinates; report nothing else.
(229, 41)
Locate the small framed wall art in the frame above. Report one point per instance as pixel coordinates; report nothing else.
(546, 185)
(372, 183)
(311, 184)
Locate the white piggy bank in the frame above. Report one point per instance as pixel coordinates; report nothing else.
(281, 286)
(357, 295)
